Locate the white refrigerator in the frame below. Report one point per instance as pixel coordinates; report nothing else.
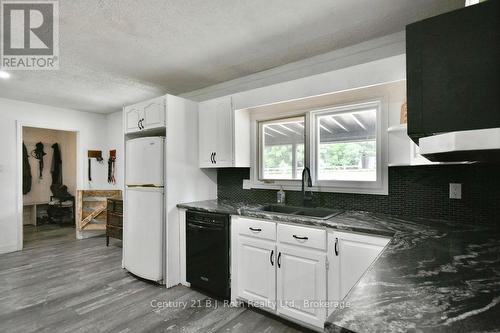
(144, 223)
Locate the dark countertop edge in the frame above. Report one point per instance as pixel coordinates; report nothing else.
(214, 206)
(331, 327)
(192, 206)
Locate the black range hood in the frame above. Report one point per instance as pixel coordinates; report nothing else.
(453, 84)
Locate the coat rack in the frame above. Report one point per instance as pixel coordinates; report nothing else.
(112, 167)
(97, 154)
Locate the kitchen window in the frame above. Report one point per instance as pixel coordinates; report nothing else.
(346, 145)
(342, 146)
(282, 151)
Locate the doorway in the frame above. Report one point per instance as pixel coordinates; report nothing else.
(49, 183)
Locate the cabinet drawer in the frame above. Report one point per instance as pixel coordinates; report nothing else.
(302, 236)
(114, 232)
(118, 207)
(115, 206)
(257, 228)
(115, 219)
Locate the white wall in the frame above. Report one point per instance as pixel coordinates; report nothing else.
(372, 73)
(370, 63)
(68, 146)
(114, 128)
(92, 135)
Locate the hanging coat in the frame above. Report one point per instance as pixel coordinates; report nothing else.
(26, 171)
(56, 168)
(38, 153)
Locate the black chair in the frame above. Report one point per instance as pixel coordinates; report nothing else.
(61, 205)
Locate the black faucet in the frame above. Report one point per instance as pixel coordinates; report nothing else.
(306, 198)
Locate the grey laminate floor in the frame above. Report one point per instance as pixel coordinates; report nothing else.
(59, 284)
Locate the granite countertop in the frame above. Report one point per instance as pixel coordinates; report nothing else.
(433, 276)
(217, 206)
(347, 221)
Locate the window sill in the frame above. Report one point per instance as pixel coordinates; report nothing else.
(327, 189)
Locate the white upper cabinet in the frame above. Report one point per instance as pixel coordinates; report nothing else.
(207, 134)
(350, 256)
(154, 113)
(224, 134)
(146, 115)
(132, 119)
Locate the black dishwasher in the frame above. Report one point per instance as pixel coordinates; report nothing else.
(207, 252)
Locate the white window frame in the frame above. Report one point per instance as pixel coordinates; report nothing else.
(260, 146)
(349, 186)
(378, 187)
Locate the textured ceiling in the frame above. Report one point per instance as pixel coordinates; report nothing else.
(117, 52)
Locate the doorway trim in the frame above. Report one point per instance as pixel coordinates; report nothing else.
(19, 178)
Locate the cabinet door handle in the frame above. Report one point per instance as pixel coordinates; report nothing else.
(212, 158)
(279, 260)
(215, 161)
(300, 237)
(255, 229)
(336, 246)
(271, 258)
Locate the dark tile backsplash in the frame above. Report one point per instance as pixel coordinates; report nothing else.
(419, 191)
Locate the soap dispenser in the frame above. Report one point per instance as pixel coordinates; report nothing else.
(281, 196)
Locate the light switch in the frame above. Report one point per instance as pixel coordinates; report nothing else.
(455, 191)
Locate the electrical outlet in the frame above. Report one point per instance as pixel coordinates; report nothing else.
(455, 191)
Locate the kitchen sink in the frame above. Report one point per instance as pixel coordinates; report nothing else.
(322, 213)
(319, 213)
(281, 209)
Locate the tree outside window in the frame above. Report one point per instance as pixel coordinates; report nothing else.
(283, 149)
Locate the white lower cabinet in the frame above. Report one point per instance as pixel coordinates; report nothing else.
(295, 271)
(301, 283)
(257, 275)
(350, 255)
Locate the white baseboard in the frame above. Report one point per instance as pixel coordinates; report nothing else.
(9, 248)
